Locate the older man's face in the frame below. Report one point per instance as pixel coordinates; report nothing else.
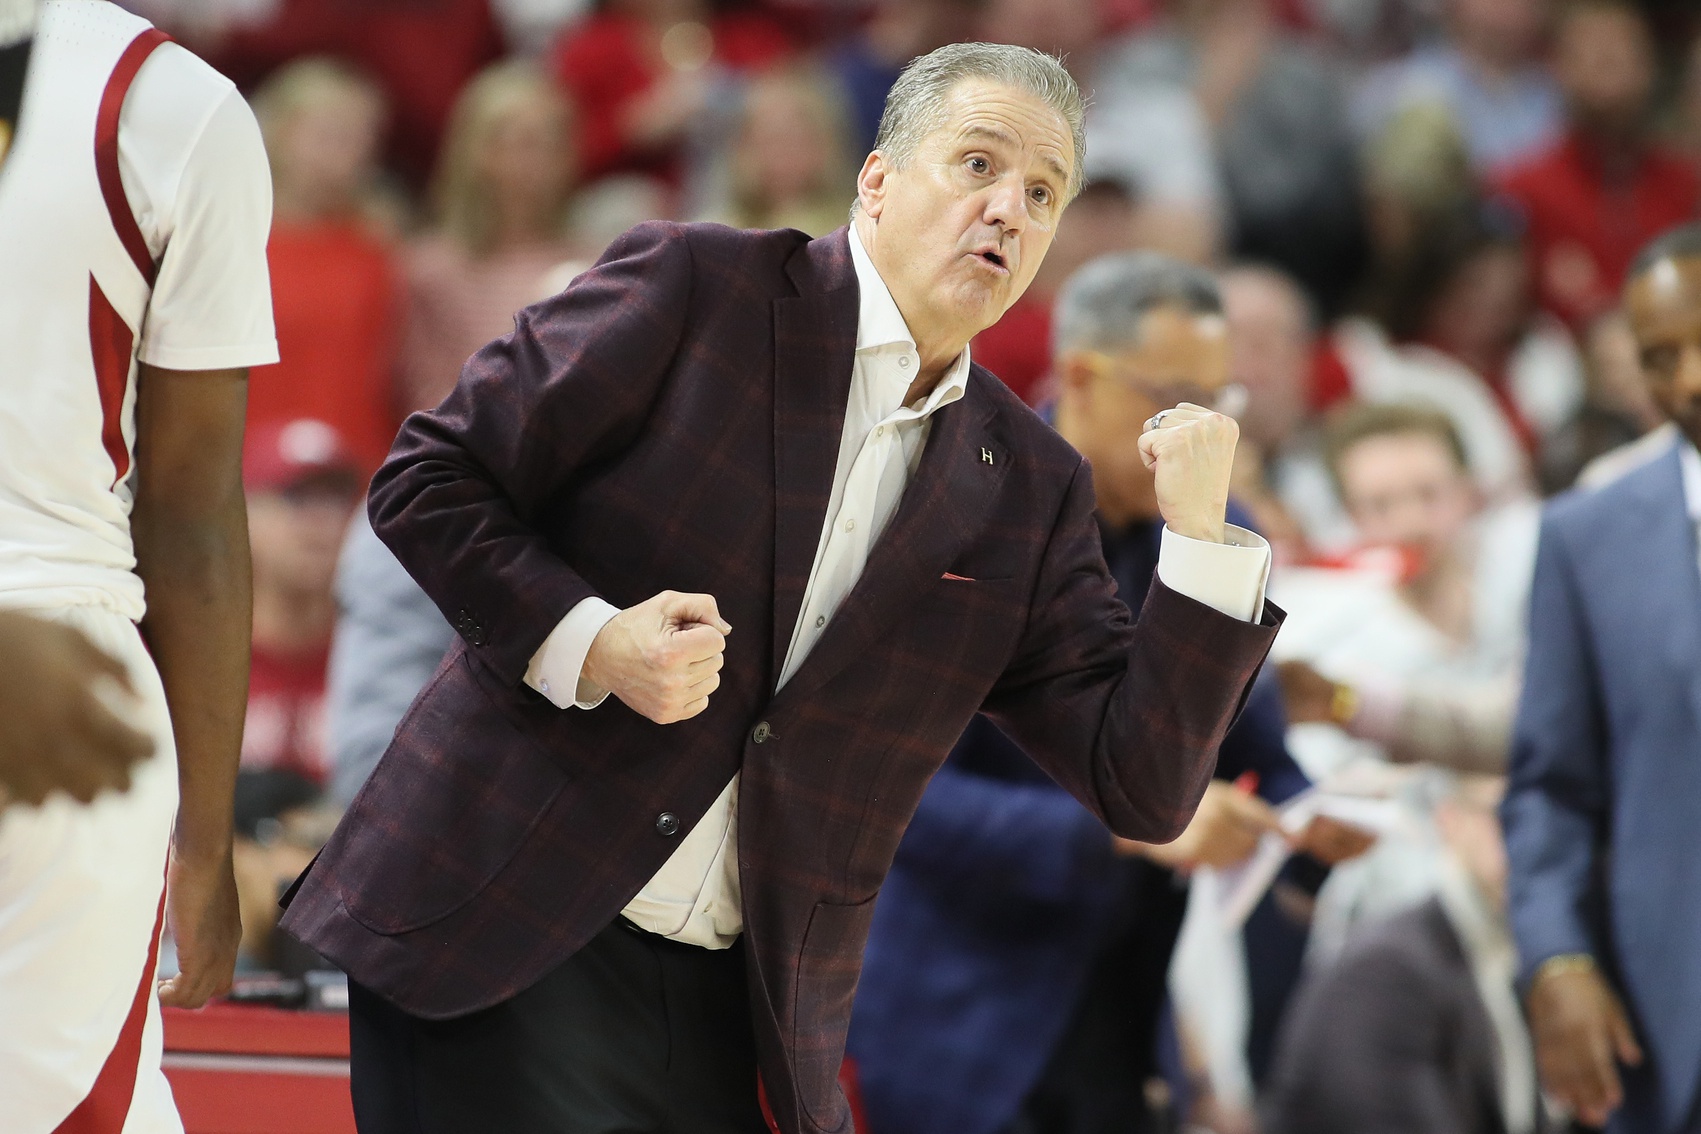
(961, 230)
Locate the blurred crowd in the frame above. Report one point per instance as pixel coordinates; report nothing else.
(1410, 222)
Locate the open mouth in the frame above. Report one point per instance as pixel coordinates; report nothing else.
(995, 259)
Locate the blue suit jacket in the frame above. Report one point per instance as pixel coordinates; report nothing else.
(1003, 890)
(1603, 812)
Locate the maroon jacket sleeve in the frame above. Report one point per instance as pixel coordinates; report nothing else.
(460, 498)
(1128, 721)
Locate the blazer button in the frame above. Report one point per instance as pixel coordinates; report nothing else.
(761, 732)
(667, 824)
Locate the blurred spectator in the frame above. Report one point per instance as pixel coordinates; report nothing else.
(644, 73)
(1279, 475)
(1415, 170)
(1145, 130)
(1423, 665)
(1463, 293)
(1015, 969)
(302, 484)
(499, 201)
(1487, 73)
(1391, 355)
(334, 289)
(1618, 427)
(1416, 1027)
(420, 54)
(1600, 811)
(389, 639)
(1606, 188)
(1276, 108)
(1104, 218)
(868, 62)
(791, 158)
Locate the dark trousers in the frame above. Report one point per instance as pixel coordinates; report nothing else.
(634, 1034)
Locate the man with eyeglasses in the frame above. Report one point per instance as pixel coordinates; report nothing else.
(1015, 970)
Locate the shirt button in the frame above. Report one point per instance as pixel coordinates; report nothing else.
(667, 824)
(880, 432)
(850, 525)
(820, 621)
(904, 361)
(761, 732)
(543, 686)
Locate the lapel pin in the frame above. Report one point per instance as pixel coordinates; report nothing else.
(986, 454)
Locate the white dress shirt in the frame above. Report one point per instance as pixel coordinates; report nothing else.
(695, 897)
(1689, 461)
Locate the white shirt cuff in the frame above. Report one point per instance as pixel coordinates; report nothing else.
(555, 668)
(1228, 576)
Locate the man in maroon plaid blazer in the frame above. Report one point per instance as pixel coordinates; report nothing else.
(751, 485)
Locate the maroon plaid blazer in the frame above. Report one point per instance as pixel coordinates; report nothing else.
(671, 421)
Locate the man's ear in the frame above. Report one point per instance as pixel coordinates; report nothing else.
(871, 184)
(1075, 372)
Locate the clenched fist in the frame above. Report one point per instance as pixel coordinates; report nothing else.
(1191, 455)
(57, 731)
(662, 657)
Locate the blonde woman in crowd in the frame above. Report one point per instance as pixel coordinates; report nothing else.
(791, 156)
(496, 239)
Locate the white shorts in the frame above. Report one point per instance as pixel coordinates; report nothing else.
(81, 899)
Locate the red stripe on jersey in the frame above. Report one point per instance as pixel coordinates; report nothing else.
(111, 341)
(106, 149)
(107, 1104)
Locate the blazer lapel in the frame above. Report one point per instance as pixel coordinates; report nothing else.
(814, 352)
(944, 506)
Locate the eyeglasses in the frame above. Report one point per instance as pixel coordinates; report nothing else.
(1229, 400)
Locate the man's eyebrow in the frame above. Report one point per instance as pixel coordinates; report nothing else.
(992, 133)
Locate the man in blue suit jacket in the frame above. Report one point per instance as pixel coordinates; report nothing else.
(1603, 813)
(1016, 966)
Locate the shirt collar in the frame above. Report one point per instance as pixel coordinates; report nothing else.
(879, 323)
(1690, 462)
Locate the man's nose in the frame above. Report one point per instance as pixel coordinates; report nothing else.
(1007, 204)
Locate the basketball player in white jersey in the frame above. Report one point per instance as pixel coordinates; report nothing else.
(56, 734)
(134, 206)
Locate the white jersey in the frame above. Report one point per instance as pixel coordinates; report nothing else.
(134, 208)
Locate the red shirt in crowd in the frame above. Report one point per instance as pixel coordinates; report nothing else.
(285, 727)
(1584, 232)
(603, 64)
(1017, 348)
(336, 301)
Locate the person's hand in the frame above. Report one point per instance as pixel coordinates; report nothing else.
(1191, 455)
(1225, 830)
(1580, 1029)
(57, 731)
(662, 657)
(206, 923)
(1332, 842)
(1309, 696)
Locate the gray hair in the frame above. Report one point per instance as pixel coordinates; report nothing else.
(1101, 305)
(915, 106)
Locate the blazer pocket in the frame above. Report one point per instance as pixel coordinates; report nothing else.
(450, 805)
(828, 966)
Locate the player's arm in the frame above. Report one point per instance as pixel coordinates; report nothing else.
(190, 526)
